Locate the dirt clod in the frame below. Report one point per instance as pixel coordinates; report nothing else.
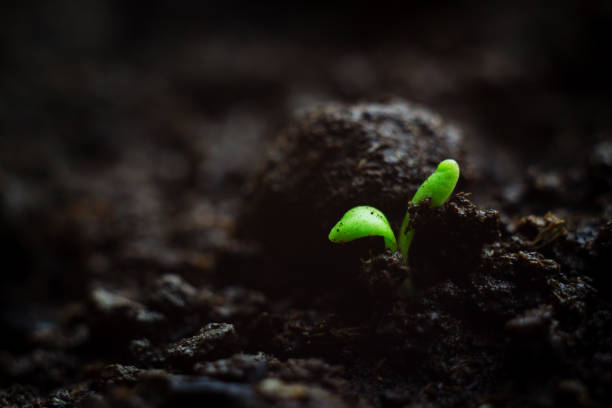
(213, 340)
(335, 157)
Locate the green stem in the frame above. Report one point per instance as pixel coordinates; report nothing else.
(405, 238)
(439, 186)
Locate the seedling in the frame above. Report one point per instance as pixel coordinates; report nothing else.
(438, 187)
(365, 221)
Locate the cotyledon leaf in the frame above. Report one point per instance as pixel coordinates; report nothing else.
(363, 221)
(439, 186)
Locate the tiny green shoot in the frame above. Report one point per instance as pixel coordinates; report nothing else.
(438, 187)
(365, 221)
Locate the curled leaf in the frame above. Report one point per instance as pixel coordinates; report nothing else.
(363, 221)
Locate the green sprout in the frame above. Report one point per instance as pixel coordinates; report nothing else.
(438, 187)
(364, 221)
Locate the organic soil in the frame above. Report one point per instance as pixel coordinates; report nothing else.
(166, 195)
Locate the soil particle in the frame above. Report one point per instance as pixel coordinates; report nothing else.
(533, 320)
(18, 395)
(116, 315)
(60, 398)
(240, 368)
(311, 370)
(572, 294)
(157, 388)
(542, 231)
(145, 354)
(531, 267)
(172, 295)
(213, 341)
(119, 374)
(297, 394)
(52, 336)
(233, 303)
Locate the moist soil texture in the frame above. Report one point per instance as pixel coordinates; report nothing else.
(168, 182)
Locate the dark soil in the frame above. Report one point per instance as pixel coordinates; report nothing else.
(168, 178)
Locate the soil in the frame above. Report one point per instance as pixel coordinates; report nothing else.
(168, 178)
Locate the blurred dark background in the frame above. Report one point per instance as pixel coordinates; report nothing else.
(128, 129)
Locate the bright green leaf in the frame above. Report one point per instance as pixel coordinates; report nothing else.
(363, 221)
(439, 186)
